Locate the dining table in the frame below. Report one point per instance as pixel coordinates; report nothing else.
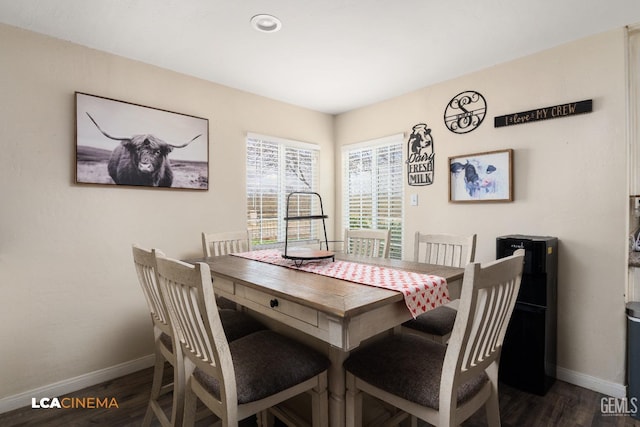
(336, 313)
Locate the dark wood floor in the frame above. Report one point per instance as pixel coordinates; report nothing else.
(563, 405)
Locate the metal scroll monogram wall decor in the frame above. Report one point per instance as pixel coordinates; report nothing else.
(465, 112)
(420, 156)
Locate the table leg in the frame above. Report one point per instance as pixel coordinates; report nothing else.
(337, 387)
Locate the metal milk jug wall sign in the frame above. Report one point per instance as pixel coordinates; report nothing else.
(420, 156)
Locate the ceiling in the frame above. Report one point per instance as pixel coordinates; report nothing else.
(330, 56)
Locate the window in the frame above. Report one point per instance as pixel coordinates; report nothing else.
(633, 99)
(275, 168)
(373, 190)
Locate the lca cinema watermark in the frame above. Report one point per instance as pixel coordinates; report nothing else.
(74, 403)
(612, 406)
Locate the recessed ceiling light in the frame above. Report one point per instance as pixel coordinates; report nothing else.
(266, 23)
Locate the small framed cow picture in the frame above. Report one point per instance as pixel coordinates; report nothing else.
(481, 177)
(120, 143)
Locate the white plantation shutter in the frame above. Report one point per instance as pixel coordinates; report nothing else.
(373, 193)
(275, 168)
(634, 103)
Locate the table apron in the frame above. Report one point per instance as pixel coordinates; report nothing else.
(345, 333)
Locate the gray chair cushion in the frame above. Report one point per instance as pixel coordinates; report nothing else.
(237, 324)
(166, 341)
(438, 321)
(266, 363)
(408, 366)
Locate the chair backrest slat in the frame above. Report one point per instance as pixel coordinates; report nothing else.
(145, 264)
(484, 342)
(367, 242)
(230, 242)
(180, 298)
(181, 294)
(444, 249)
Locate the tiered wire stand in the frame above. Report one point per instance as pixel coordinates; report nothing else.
(300, 255)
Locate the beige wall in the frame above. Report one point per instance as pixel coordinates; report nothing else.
(70, 302)
(71, 305)
(570, 182)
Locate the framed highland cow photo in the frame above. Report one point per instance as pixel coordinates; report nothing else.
(120, 143)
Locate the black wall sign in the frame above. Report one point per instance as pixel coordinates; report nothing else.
(465, 112)
(420, 156)
(563, 110)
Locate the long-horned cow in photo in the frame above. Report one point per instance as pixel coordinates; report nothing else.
(141, 160)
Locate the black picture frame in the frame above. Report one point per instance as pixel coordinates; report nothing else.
(125, 144)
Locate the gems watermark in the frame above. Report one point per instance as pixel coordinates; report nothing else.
(612, 406)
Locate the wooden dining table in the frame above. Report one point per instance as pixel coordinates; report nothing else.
(338, 313)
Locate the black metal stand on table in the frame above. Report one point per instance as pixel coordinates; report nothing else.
(300, 255)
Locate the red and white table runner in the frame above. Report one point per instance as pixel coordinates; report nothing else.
(422, 292)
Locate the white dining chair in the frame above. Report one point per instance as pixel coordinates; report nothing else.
(443, 384)
(367, 242)
(235, 325)
(240, 378)
(440, 249)
(444, 249)
(224, 243)
(166, 348)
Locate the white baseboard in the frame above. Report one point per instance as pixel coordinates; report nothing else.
(591, 383)
(74, 384)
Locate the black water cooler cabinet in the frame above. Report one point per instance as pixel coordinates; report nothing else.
(528, 360)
